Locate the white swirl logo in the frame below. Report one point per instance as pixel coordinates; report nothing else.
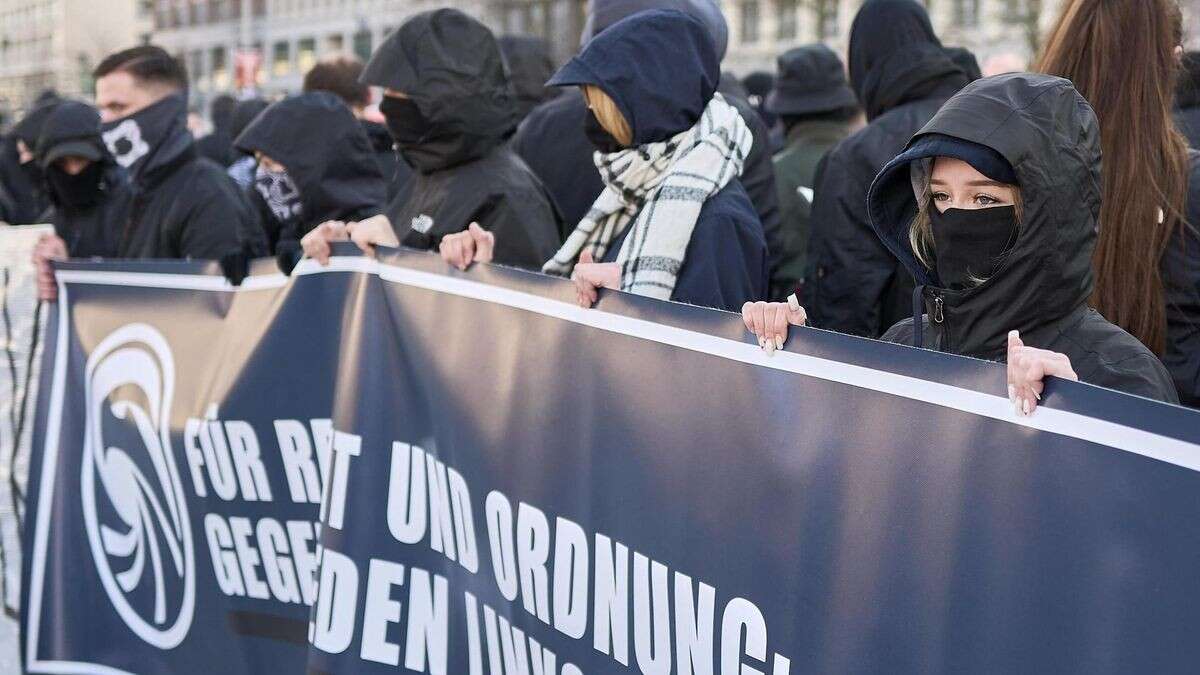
(137, 525)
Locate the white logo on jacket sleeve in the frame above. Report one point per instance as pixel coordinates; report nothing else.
(134, 507)
(125, 143)
(422, 223)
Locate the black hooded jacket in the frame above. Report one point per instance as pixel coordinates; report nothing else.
(23, 183)
(902, 75)
(552, 142)
(1187, 99)
(464, 171)
(184, 206)
(1050, 136)
(329, 158)
(529, 68)
(396, 172)
(95, 230)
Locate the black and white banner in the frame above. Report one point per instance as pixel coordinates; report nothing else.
(386, 466)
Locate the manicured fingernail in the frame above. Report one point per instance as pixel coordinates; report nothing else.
(779, 342)
(1039, 396)
(762, 344)
(1026, 407)
(770, 346)
(1012, 394)
(1016, 407)
(793, 303)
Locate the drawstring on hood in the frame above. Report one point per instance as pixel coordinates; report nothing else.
(1050, 137)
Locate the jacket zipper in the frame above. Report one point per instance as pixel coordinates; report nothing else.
(938, 304)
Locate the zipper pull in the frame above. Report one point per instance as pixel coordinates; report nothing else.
(938, 303)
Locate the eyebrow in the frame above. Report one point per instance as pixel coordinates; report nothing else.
(973, 183)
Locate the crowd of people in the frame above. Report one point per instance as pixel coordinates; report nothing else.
(904, 197)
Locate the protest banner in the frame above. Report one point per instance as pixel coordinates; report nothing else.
(386, 465)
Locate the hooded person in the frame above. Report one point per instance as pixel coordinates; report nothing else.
(449, 105)
(816, 107)
(90, 194)
(529, 67)
(20, 173)
(184, 206)
(315, 164)
(901, 75)
(552, 142)
(993, 208)
(218, 145)
(673, 221)
(242, 169)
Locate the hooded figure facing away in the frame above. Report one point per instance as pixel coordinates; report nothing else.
(218, 145)
(529, 67)
(993, 209)
(90, 194)
(449, 105)
(902, 75)
(673, 222)
(315, 164)
(550, 139)
(21, 175)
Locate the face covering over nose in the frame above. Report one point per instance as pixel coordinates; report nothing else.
(132, 139)
(80, 191)
(280, 193)
(404, 120)
(599, 136)
(969, 243)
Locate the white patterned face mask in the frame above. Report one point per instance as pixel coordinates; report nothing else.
(279, 192)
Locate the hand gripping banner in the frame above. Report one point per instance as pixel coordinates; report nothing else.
(387, 466)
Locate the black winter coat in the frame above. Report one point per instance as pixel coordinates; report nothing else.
(185, 206)
(552, 143)
(95, 232)
(463, 170)
(1050, 136)
(1181, 282)
(852, 284)
(394, 169)
(329, 158)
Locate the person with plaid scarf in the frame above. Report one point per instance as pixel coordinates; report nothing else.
(673, 221)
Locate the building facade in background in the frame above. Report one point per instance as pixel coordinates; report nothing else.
(55, 44)
(274, 42)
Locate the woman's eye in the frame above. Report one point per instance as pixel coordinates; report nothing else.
(940, 197)
(986, 200)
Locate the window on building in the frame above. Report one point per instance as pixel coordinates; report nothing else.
(363, 44)
(966, 13)
(306, 54)
(281, 59)
(335, 43)
(749, 21)
(789, 20)
(219, 58)
(827, 19)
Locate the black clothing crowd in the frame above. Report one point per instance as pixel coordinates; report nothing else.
(475, 129)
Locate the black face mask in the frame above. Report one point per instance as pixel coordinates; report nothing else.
(404, 120)
(599, 137)
(969, 243)
(34, 173)
(133, 138)
(80, 191)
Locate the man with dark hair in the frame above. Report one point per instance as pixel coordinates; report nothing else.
(816, 105)
(218, 145)
(340, 77)
(184, 206)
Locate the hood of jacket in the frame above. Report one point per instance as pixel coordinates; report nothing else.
(895, 57)
(29, 129)
(1050, 136)
(326, 153)
(660, 91)
(529, 68)
(74, 123)
(602, 14)
(450, 66)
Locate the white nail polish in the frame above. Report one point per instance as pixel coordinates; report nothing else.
(1012, 394)
(1026, 407)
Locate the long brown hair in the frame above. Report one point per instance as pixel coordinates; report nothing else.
(1121, 56)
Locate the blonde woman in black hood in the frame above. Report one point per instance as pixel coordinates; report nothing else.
(993, 209)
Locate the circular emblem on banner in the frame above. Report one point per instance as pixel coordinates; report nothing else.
(134, 507)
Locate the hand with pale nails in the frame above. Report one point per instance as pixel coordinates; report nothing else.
(316, 243)
(1028, 367)
(49, 247)
(590, 276)
(769, 321)
(472, 245)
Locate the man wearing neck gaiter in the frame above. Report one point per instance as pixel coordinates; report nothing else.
(183, 206)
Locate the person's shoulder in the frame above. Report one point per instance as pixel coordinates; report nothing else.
(1104, 354)
(904, 332)
(560, 111)
(730, 205)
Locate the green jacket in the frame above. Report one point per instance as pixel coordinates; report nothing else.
(795, 171)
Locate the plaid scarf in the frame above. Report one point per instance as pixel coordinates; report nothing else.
(660, 189)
